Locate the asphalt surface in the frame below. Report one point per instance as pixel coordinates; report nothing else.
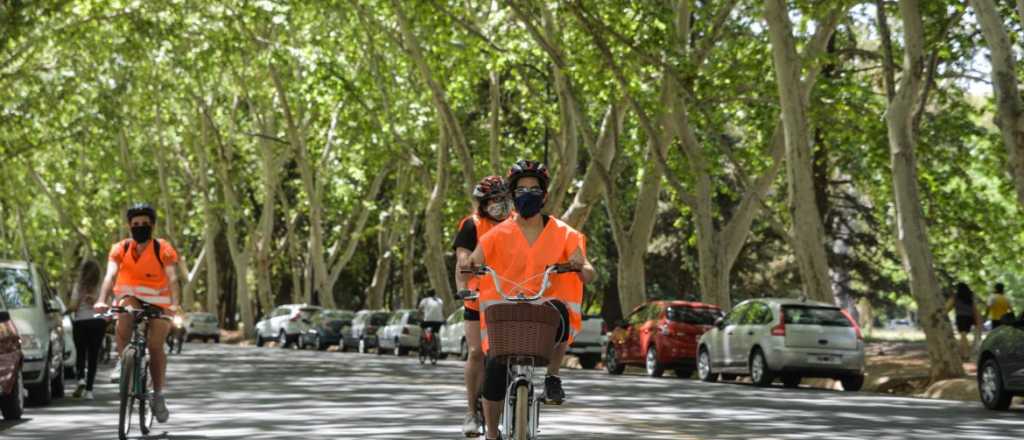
(230, 392)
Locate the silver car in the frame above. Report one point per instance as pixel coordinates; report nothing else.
(201, 325)
(453, 335)
(36, 313)
(285, 324)
(789, 339)
(401, 334)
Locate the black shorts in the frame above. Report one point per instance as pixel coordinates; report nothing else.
(471, 315)
(964, 324)
(496, 378)
(433, 325)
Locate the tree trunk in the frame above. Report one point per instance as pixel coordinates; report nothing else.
(437, 268)
(631, 279)
(808, 230)
(912, 232)
(1009, 106)
(495, 125)
(375, 292)
(601, 155)
(409, 265)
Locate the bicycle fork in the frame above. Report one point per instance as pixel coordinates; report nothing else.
(521, 376)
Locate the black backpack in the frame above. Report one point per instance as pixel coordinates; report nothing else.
(156, 250)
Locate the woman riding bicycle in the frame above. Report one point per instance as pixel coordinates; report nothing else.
(518, 250)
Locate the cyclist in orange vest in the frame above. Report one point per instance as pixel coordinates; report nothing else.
(142, 269)
(518, 250)
(492, 207)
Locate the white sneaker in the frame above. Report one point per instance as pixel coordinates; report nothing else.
(115, 374)
(159, 406)
(472, 425)
(88, 396)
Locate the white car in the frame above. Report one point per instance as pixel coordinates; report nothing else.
(201, 325)
(285, 324)
(453, 335)
(70, 351)
(790, 339)
(36, 313)
(401, 334)
(587, 345)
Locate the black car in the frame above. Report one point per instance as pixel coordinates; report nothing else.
(1001, 364)
(325, 328)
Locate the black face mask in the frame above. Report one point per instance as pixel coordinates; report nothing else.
(529, 204)
(142, 234)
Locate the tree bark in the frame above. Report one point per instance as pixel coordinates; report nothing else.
(409, 264)
(210, 220)
(601, 155)
(437, 268)
(912, 231)
(495, 124)
(1010, 108)
(808, 230)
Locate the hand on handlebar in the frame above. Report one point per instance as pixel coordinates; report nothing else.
(100, 307)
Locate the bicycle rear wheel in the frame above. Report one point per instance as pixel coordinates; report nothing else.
(145, 408)
(521, 429)
(124, 423)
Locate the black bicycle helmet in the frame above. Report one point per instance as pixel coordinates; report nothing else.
(528, 168)
(138, 209)
(490, 187)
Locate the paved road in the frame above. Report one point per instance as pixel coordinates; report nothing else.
(227, 392)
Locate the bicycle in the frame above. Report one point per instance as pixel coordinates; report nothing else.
(523, 334)
(428, 346)
(135, 379)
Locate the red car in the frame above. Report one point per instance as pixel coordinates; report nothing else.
(12, 400)
(660, 335)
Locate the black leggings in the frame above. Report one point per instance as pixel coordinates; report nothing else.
(496, 378)
(88, 335)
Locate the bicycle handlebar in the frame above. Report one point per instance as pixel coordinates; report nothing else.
(146, 311)
(559, 268)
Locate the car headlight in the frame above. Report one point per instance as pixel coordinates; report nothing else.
(30, 342)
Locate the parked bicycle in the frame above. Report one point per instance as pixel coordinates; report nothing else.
(136, 383)
(522, 333)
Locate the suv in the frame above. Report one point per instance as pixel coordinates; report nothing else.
(660, 335)
(201, 325)
(587, 343)
(402, 332)
(363, 332)
(1001, 364)
(12, 400)
(791, 339)
(285, 324)
(35, 311)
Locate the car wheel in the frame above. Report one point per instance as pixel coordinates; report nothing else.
(397, 351)
(791, 381)
(611, 361)
(42, 394)
(990, 386)
(589, 361)
(654, 368)
(759, 373)
(318, 343)
(704, 371)
(12, 405)
(216, 339)
(853, 382)
(259, 339)
(464, 350)
(283, 340)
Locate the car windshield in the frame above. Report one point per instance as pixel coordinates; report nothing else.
(379, 319)
(16, 288)
(694, 315)
(807, 315)
(336, 315)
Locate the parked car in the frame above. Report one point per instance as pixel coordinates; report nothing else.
(402, 332)
(69, 340)
(325, 329)
(12, 400)
(363, 333)
(790, 339)
(202, 326)
(588, 343)
(901, 324)
(36, 313)
(285, 324)
(660, 335)
(453, 335)
(1001, 364)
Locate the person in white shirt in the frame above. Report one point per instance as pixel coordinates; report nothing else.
(432, 309)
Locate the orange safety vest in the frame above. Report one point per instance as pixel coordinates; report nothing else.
(483, 225)
(507, 252)
(143, 277)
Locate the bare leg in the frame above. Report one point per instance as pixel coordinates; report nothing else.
(125, 321)
(474, 369)
(158, 329)
(492, 408)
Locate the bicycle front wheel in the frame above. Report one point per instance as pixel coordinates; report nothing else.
(521, 430)
(127, 386)
(145, 407)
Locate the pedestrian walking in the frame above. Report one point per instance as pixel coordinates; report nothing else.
(87, 329)
(967, 316)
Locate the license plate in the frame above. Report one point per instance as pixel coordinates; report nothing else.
(822, 359)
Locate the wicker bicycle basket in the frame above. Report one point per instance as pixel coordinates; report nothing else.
(522, 330)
